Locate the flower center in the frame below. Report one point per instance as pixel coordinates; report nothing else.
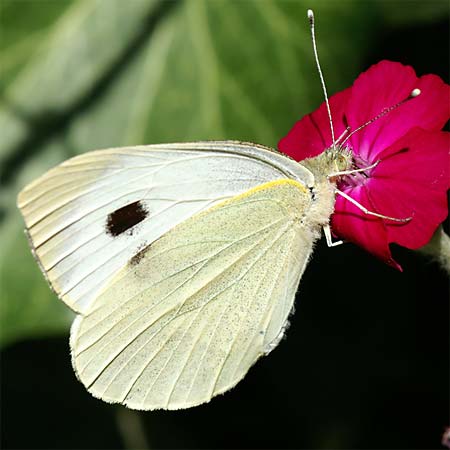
(357, 178)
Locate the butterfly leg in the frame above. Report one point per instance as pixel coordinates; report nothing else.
(352, 171)
(368, 212)
(329, 238)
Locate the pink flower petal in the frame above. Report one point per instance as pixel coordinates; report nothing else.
(350, 223)
(311, 135)
(412, 176)
(383, 85)
(413, 183)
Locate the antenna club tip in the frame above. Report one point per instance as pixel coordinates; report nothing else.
(310, 14)
(415, 93)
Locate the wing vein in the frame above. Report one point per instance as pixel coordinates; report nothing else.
(277, 238)
(141, 332)
(264, 316)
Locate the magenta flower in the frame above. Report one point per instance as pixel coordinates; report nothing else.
(412, 176)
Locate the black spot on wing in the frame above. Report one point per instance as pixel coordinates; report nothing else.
(125, 218)
(136, 258)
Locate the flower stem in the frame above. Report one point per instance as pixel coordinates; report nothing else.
(131, 429)
(439, 249)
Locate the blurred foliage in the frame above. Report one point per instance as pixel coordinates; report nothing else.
(365, 364)
(85, 74)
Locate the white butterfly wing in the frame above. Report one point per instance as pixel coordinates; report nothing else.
(187, 317)
(87, 217)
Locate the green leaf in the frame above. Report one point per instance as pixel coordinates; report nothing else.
(407, 12)
(101, 73)
(22, 33)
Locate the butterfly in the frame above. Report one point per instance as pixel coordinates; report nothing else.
(181, 261)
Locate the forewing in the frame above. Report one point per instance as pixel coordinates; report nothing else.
(189, 315)
(89, 216)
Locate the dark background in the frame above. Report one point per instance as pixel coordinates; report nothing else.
(365, 363)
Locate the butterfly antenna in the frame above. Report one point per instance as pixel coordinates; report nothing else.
(322, 81)
(414, 93)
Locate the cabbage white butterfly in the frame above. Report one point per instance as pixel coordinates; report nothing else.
(180, 260)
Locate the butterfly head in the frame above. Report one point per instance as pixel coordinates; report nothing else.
(338, 159)
(330, 163)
